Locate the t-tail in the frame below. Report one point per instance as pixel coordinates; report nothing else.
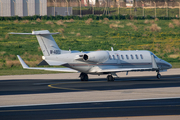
(46, 42)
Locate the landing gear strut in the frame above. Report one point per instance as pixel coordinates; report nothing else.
(110, 78)
(84, 77)
(158, 75)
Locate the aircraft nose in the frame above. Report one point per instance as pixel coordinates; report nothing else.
(165, 65)
(168, 65)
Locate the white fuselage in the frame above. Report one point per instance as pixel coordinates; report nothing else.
(109, 60)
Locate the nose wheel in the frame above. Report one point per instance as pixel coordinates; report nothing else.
(110, 78)
(83, 77)
(158, 75)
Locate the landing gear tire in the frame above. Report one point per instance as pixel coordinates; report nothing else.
(110, 78)
(158, 76)
(84, 77)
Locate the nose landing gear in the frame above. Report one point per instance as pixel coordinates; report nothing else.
(158, 75)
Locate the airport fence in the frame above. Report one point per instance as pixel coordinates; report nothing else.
(102, 7)
(112, 7)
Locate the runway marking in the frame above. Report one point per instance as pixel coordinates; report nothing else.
(65, 88)
(88, 108)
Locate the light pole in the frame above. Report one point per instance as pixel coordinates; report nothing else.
(106, 6)
(135, 8)
(179, 9)
(166, 9)
(27, 8)
(93, 8)
(155, 8)
(119, 6)
(67, 7)
(40, 8)
(1, 9)
(14, 7)
(80, 7)
(143, 7)
(130, 7)
(54, 1)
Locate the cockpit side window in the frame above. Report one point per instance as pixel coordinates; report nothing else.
(110, 57)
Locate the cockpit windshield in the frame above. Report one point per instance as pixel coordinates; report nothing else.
(153, 55)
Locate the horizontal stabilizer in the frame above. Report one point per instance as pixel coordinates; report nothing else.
(42, 32)
(25, 66)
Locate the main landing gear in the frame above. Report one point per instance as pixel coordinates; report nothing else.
(158, 75)
(110, 78)
(84, 77)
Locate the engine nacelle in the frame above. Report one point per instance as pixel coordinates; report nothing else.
(97, 56)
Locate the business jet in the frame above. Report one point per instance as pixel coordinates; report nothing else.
(94, 62)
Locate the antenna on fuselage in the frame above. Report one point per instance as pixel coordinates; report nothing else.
(112, 49)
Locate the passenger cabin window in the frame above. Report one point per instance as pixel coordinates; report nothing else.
(110, 57)
(141, 56)
(136, 56)
(127, 57)
(114, 57)
(122, 56)
(132, 57)
(118, 57)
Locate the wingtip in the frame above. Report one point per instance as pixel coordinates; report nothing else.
(24, 65)
(10, 32)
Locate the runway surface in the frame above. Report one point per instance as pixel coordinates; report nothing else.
(93, 110)
(40, 98)
(33, 86)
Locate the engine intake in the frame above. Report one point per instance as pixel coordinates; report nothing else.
(85, 57)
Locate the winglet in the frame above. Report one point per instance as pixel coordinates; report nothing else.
(24, 65)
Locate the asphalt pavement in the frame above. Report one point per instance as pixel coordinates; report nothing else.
(36, 86)
(39, 99)
(93, 110)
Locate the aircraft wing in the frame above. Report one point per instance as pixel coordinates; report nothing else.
(25, 66)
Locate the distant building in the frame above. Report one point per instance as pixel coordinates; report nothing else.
(23, 7)
(63, 11)
(5, 8)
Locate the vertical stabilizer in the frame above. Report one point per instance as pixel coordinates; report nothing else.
(47, 43)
